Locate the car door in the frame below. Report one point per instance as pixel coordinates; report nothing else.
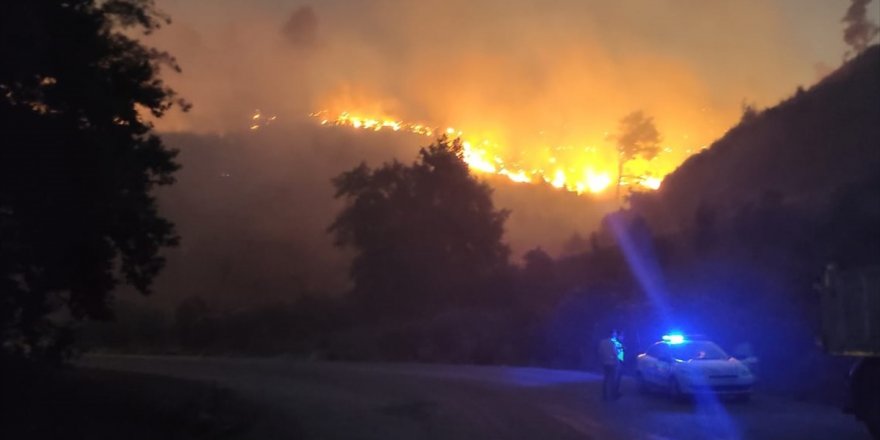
(660, 366)
(664, 365)
(649, 365)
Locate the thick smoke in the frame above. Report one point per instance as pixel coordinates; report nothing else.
(859, 29)
(523, 72)
(252, 206)
(301, 29)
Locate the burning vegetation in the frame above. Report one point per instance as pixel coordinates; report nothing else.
(584, 169)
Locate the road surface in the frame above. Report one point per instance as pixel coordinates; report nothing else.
(318, 400)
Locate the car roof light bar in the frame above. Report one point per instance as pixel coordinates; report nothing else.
(673, 339)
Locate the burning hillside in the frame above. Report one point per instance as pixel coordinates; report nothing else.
(534, 90)
(580, 169)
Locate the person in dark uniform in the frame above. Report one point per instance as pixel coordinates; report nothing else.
(611, 356)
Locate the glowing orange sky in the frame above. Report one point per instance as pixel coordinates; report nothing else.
(546, 81)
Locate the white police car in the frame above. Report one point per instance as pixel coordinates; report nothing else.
(685, 366)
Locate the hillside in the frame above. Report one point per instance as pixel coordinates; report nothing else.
(252, 211)
(802, 150)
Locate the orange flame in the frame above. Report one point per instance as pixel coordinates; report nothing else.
(259, 120)
(481, 156)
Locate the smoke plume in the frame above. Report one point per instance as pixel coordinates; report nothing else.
(526, 73)
(859, 29)
(301, 29)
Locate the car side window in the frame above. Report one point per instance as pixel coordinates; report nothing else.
(659, 351)
(665, 353)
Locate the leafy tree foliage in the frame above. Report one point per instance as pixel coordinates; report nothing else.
(576, 244)
(424, 235)
(539, 282)
(637, 137)
(78, 163)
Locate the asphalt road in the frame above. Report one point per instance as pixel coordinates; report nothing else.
(317, 400)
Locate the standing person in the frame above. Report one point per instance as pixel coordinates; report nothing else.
(611, 356)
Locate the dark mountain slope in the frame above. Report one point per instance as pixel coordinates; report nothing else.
(802, 151)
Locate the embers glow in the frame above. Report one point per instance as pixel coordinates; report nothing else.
(485, 156)
(259, 120)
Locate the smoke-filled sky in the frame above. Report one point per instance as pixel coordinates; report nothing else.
(509, 68)
(547, 81)
(541, 78)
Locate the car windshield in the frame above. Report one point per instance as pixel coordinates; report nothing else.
(697, 350)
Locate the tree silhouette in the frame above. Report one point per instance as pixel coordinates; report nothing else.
(78, 162)
(859, 30)
(637, 136)
(576, 244)
(539, 281)
(425, 235)
(705, 219)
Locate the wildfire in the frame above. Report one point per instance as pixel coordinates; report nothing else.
(259, 120)
(482, 156)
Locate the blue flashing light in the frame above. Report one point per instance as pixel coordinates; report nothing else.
(674, 339)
